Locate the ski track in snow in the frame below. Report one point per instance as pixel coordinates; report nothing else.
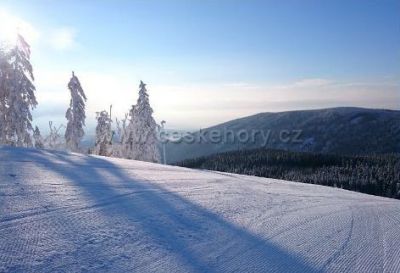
(63, 212)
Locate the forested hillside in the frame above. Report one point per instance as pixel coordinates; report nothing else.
(377, 174)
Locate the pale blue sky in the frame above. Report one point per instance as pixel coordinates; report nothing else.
(210, 61)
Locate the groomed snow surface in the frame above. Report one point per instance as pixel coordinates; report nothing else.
(63, 212)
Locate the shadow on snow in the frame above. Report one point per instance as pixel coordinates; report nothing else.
(164, 216)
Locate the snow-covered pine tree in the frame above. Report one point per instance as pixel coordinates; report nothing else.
(128, 139)
(75, 115)
(3, 68)
(17, 95)
(142, 139)
(103, 144)
(38, 138)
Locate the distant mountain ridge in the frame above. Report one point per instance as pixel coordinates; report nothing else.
(343, 130)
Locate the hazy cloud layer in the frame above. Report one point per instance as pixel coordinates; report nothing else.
(201, 105)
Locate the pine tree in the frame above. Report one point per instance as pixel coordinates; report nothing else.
(17, 95)
(141, 139)
(128, 139)
(103, 144)
(4, 66)
(75, 115)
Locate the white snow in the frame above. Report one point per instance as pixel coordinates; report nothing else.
(63, 212)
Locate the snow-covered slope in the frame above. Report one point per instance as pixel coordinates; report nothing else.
(63, 212)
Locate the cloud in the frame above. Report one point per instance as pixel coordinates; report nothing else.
(306, 83)
(63, 39)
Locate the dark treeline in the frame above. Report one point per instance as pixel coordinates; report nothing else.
(374, 174)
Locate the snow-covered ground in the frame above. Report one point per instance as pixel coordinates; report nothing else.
(64, 212)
